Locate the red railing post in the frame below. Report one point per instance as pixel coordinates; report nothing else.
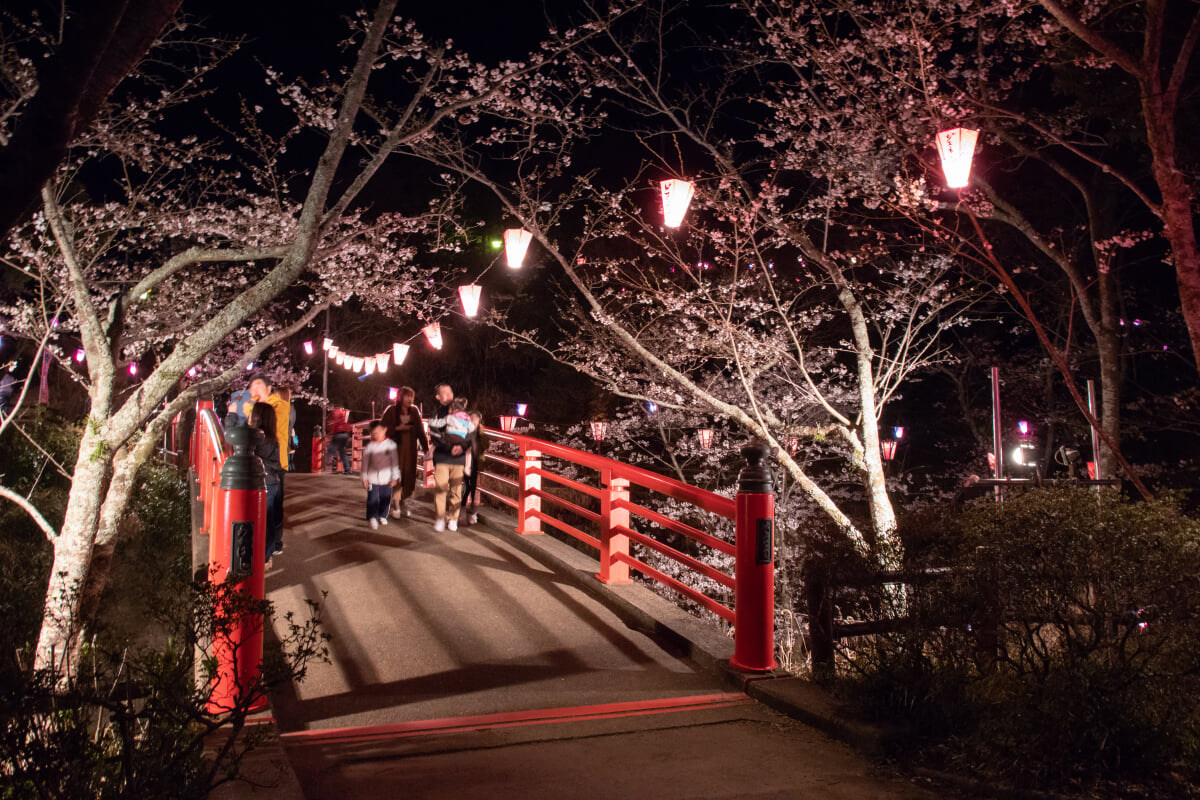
(237, 559)
(612, 516)
(528, 503)
(318, 454)
(754, 593)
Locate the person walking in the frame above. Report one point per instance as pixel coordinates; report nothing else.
(380, 472)
(405, 428)
(339, 441)
(449, 454)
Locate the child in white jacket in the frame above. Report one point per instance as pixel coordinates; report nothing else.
(380, 472)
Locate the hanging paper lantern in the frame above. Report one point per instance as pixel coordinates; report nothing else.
(888, 449)
(433, 332)
(338, 358)
(956, 147)
(359, 361)
(521, 409)
(599, 428)
(348, 363)
(399, 352)
(328, 343)
(516, 242)
(369, 363)
(381, 361)
(706, 437)
(793, 445)
(507, 423)
(676, 196)
(308, 348)
(393, 393)
(897, 433)
(334, 352)
(80, 356)
(469, 295)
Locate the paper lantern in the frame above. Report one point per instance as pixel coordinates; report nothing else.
(521, 409)
(339, 358)
(348, 363)
(192, 372)
(793, 445)
(507, 423)
(516, 242)
(133, 369)
(956, 148)
(599, 428)
(80, 356)
(334, 352)
(399, 353)
(359, 361)
(381, 361)
(308, 348)
(393, 393)
(328, 343)
(1023, 428)
(897, 433)
(888, 449)
(433, 332)
(369, 364)
(469, 295)
(706, 437)
(676, 197)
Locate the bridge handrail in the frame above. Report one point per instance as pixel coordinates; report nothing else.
(208, 453)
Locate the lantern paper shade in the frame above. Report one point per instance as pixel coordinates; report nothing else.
(516, 242)
(888, 449)
(507, 423)
(359, 361)
(381, 361)
(897, 433)
(469, 295)
(334, 352)
(393, 393)
(80, 355)
(433, 332)
(521, 409)
(328, 343)
(706, 437)
(340, 358)
(308, 348)
(399, 353)
(956, 148)
(793, 445)
(599, 428)
(676, 196)
(370, 364)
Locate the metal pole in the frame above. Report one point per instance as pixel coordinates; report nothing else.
(997, 433)
(325, 379)
(1091, 390)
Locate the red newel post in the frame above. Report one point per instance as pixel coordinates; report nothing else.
(613, 517)
(528, 502)
(754, 596)
(237, 556)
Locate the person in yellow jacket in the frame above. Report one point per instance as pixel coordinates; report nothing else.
(261, 392)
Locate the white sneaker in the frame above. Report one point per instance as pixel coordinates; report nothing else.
(440, 525)
(406, 512)
(374, 523)
(473, 519)
(398, 513)
(452, 524)
(383, 520)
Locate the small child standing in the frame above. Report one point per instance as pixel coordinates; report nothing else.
(380, 472)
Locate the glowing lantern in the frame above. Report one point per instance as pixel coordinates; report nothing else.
(897, 433)
(393, 393)
(507, 423)
(1023, 428)
(327, 344)
(599, 428)
(348, 362)
(469, 295)
(433, 332)
(359, 361)
(652, 406)
(793, 445)
(192, 372)
(888, 449)
(80, 356)
(521, 409)
(339, 358)
(369, 363)
(676, 196)
(334, 352)
(381, 361)
(308, 348)
(706, 437)
(516, 242)
(399, 353)
(133, 369)
(956, 147)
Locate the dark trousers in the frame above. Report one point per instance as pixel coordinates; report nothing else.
(379, 498)
(469, 483)
(339, 450)
(274, 519)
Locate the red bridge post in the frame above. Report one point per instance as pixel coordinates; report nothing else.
(529, 504)
(754, 595)
(612, 516)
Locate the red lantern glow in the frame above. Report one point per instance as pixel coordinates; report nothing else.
(516, 242)
(706, 437)
(308, 348)
(793, 445)
(956, 148)
(888, 449)
(599, 428)
(433, 332)
(676, 196)
(507, 423)
(469, 295)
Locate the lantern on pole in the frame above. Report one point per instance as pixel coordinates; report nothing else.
(327, 344)
(599, 428)
(381, 361)
(469, 295)
(308, 348)
(706, 437)
(676, 196)
(956, 147)
(433, 332)
(399, 353)
(507, 423)
(516, 242)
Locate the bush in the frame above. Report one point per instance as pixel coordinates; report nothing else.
(1094, 671)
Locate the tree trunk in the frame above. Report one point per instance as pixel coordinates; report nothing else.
(1109, 350)
(57, 643)
(116, 503)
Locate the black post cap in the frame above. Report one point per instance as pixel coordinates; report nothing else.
(242, 469)
(755, 477)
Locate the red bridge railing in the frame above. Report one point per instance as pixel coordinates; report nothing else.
(524, 489)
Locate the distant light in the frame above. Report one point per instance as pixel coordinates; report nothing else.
(80, 356)
(133, 369)
(433, 332)
(334, 351)
(676, 196)
(516, 242)
(469, 295)
(522, 408)
(652, 406)
(706, 437)
(599, 429)
(192, 372)
(497, 244)
(250, 366)
(956, 148)
(393, 393)
(897, 433)
(340, 359)
(308, 348)
(1023, 427)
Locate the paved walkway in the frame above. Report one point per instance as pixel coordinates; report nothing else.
(462, 667)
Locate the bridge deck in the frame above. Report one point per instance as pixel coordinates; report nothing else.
(432, 625)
